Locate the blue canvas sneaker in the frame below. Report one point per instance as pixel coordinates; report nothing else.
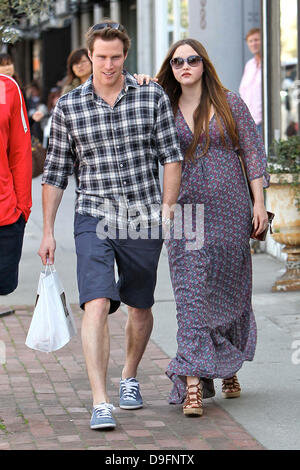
(130, 397)
(102, 416)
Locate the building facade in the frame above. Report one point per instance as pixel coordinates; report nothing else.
(221, 25)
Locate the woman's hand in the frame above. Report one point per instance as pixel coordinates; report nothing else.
(144, 79)
(260, 218)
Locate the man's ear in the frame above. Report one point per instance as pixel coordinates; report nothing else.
(90, 55)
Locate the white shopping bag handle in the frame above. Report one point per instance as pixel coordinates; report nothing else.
(49, 267)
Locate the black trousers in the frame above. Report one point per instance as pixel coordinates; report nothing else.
(11, 242)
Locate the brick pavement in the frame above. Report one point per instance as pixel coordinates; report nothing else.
(45, 400)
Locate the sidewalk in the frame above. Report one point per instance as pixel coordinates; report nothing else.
(269, 406)
(268, 409)
(45, 400)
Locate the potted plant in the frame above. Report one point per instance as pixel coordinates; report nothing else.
(283, 198)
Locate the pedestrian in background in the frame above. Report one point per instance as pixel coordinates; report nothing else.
(79, 68)
(7, 67)
(33, 98)
(212, 283)
(118, 132)
(251, 84)
(44, 116)
(251, 90)
(15, 180)
(36, 110)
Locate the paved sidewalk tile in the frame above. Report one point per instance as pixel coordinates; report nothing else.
(45, 399)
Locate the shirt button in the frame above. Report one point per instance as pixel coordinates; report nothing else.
(124, 182)
(121, 165)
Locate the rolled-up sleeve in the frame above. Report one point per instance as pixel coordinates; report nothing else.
(167, 141)
(250, 141)
(59, 163)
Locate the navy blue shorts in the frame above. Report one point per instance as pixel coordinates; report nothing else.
(136, 260)
(11, 242)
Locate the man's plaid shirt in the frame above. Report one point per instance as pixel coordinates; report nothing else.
(117, 151)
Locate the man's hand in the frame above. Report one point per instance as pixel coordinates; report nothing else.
(51, 200)
(47, 249)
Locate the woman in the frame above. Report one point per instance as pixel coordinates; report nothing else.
(212, 285)
(79, 68)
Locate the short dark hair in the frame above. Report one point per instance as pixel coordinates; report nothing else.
(5, 59)
(108, 34)
(252, 31)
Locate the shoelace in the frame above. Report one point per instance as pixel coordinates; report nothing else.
(104, 410)
(130, 391)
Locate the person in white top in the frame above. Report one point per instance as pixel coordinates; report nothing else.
(251, 84)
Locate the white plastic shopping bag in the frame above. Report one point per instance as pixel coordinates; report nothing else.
(52, 325)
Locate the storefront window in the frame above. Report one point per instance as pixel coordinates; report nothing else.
(36, 60)
(184, 20)
(177, 20)
(290, 84)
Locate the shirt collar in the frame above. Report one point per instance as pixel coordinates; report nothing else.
(130, 81)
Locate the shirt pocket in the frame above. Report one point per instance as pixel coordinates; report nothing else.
(93, 152)
(140, 133)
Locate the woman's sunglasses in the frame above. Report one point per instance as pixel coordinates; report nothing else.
(192, 60)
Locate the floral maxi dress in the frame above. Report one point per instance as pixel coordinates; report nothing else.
(213, 284)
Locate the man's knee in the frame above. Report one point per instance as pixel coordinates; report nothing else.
(139, 314)
(99, 307)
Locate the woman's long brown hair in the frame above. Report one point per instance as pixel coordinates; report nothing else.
(213, 93)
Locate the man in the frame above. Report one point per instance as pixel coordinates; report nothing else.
(15, 180)
(117, 131)
(251, 84)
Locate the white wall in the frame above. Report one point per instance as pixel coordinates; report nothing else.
(221, 25)
(145, 36)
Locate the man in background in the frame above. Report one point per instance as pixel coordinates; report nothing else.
(251, 88)
(251, 84)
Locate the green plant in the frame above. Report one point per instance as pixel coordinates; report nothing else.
(2, 425)
(284, 157)
(11, 11)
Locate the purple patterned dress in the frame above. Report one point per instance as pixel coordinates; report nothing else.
(213, 285)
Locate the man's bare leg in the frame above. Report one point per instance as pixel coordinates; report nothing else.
(96, 346)
(138, 330)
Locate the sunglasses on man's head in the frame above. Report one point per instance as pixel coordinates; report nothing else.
(99, 26)
(192, 60)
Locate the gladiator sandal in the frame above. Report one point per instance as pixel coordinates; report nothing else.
(193, 402)
(231, 387)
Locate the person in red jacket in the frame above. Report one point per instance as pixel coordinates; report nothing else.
(15, 180)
